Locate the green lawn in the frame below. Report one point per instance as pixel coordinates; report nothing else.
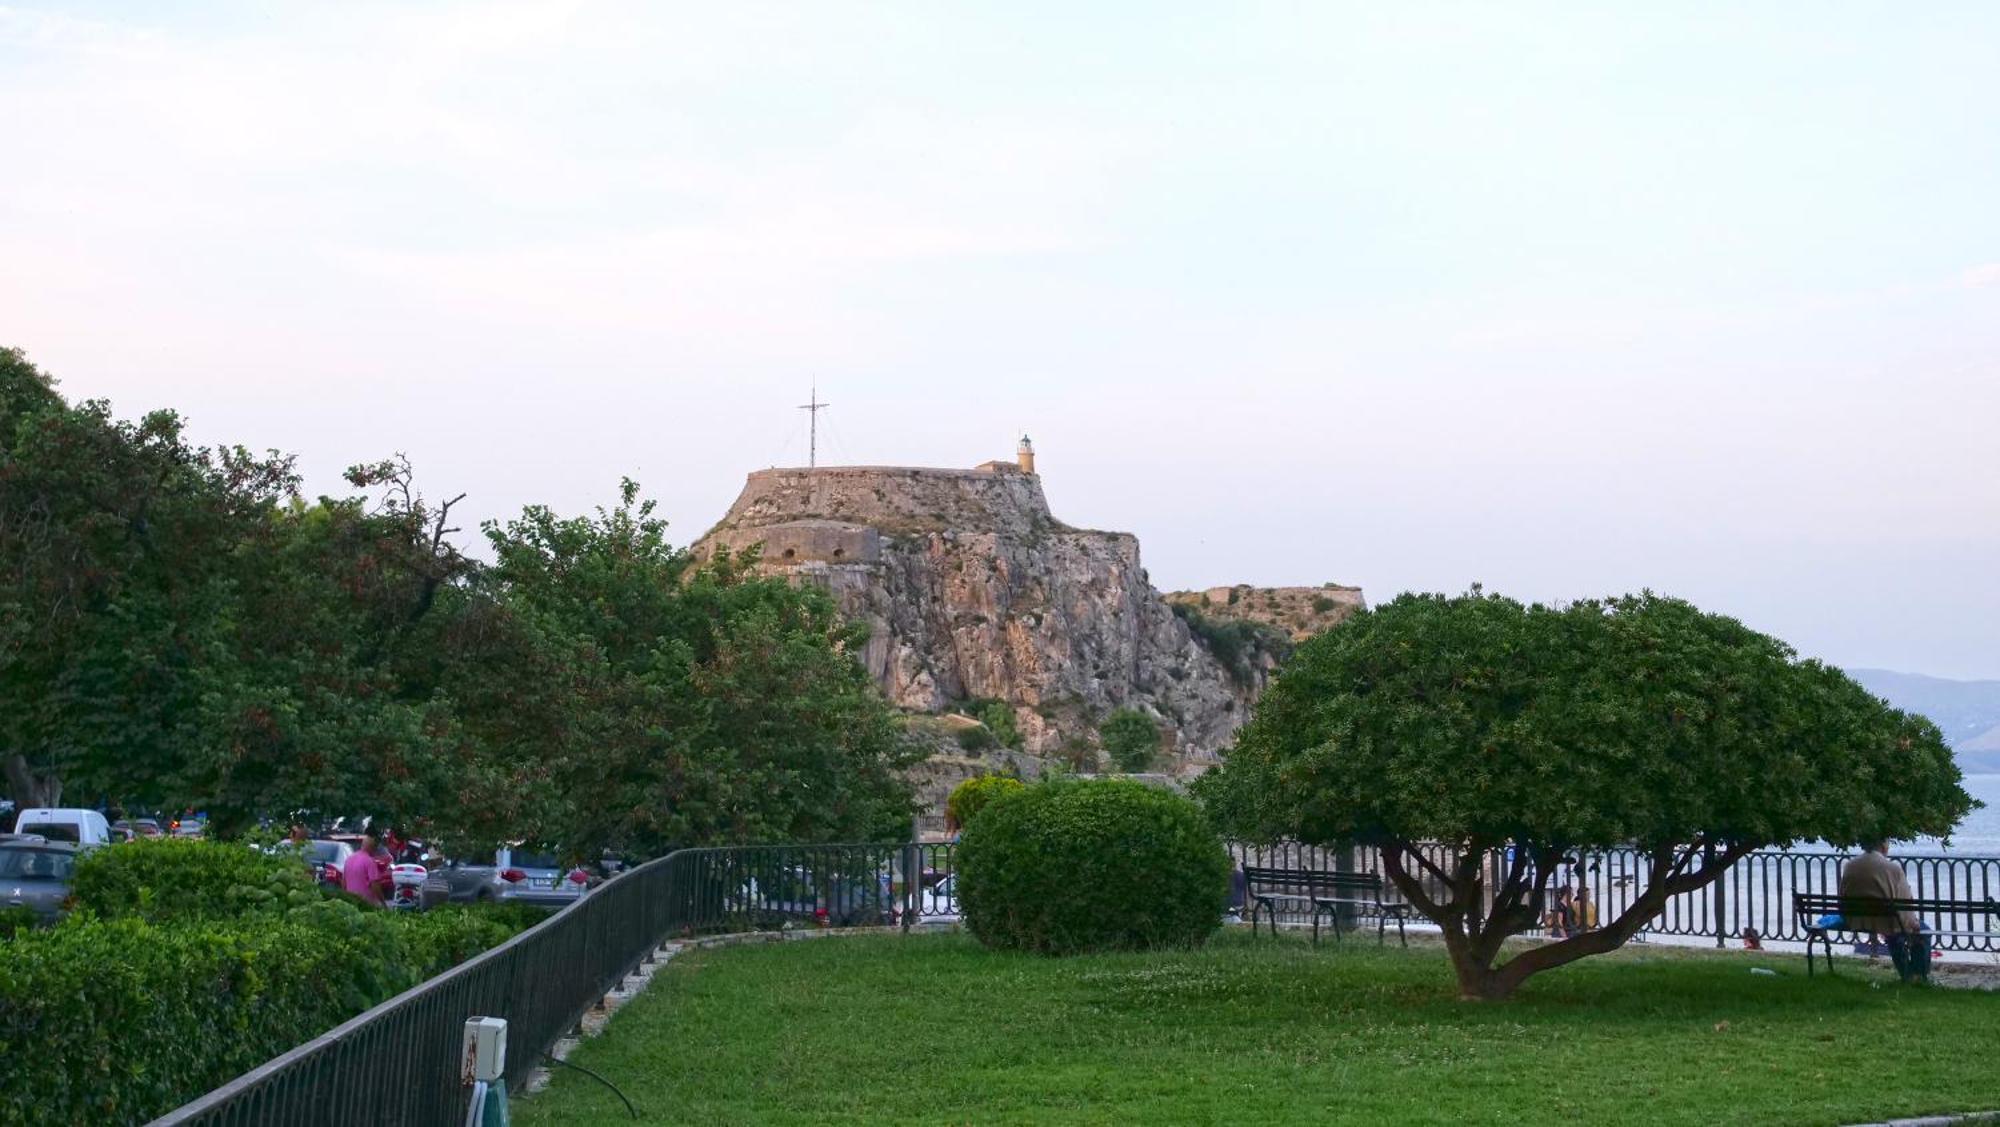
(934, 1029)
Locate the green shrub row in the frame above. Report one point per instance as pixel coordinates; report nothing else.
(177, 880)
(187, 963)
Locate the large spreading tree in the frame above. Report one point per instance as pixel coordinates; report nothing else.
(1478, 742)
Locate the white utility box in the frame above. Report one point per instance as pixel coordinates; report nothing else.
(485, 1049)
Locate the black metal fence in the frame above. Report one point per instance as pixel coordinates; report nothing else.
(399, 1062)
(1756, 892)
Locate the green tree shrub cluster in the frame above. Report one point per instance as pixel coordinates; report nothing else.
(181, 627)
(998, 718)
(1070, 866)
(1515, 735)
(973, 795)
(1131, 738)
(1236, 642)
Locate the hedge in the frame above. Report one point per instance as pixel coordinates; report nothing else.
(1068, 866)
(121, 1016)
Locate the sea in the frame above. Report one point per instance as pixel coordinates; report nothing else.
(1977, 835)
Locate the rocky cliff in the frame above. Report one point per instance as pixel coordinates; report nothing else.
(974, 590)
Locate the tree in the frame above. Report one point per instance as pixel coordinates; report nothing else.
(1131, 738)
(643, 699)
(1511, 736)
(119, 544)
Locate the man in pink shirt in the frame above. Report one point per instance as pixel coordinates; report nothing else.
(364, 874)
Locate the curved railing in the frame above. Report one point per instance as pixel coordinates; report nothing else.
(399, 1062)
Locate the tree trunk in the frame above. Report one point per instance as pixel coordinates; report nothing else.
(28, 787)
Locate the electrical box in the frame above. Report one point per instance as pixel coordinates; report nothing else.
(485, 1049)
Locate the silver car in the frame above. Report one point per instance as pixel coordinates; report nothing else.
(517, 875)
(36, 876)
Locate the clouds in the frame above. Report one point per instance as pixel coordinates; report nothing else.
(1986, 275)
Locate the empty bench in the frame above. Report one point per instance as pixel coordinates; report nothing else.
(1812, 907)
(1326, 894)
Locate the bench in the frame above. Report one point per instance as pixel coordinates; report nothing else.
(1811, 907)
(1328, 893)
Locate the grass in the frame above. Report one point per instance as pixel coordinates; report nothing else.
(935, 1029)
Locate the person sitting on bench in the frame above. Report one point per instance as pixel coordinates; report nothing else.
(1873, 876)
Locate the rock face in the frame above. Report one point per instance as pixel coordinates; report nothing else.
(974, 590)
(1299, 611)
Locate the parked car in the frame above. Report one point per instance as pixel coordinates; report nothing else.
(136, 828)
(518, 875)
(326, 859)
(37, 876)
(65, 823)
(797, 895)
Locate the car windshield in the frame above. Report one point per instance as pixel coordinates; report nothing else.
(327, 852)
(522, 859)
(54, 831)
(17, 863)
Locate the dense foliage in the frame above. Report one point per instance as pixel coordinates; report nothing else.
(973, 795)
(119, 1020)
(1514, 735)
(1238, 643)
(997, 717)
(1131, 738)
(189, 962)
(1069, 866)
(179, 628)
(177, 880)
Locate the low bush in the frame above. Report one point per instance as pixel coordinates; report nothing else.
(175, 880)
(972, 795)
(976, 738)
(1070, 866)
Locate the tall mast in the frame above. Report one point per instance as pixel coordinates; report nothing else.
(814, 408)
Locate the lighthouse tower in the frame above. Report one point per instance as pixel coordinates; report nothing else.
(1024, 454)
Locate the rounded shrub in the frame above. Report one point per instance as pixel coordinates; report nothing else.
(1073, 865)
(972, 796)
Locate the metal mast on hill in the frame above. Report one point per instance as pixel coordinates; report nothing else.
(815, 407)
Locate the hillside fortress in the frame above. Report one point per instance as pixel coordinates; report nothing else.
(973, 590)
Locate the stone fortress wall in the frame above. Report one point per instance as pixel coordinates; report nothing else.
(972, 589)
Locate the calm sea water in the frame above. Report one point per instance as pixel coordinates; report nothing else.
(1980, 832)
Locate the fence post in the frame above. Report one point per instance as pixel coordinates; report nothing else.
(911, 878)
(1721, 882)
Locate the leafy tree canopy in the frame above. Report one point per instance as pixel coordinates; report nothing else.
(1131, 738)
(178, 627)
(1511, 735)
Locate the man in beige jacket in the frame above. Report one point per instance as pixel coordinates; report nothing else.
(1873, 876)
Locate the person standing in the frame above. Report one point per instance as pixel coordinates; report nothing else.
(364, 875)
(1872, 876)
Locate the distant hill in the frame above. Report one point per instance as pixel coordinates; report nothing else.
(1967, 711)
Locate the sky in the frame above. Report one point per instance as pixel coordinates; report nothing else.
(1562, 299)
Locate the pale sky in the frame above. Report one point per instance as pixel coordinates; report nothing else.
(1557, 298)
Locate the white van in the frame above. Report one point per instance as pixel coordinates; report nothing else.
(84, 827)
